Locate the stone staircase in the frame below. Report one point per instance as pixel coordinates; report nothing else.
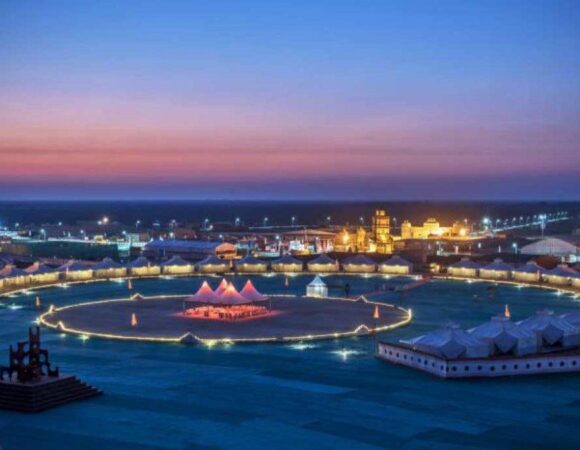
(44, 394)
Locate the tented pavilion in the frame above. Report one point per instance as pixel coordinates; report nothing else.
(450, 342)
(396, 265)
(176, 265)
(560, 275)
(497, 270)
(250, 264)
(212, 264)
(359, 264)
(317, 288)
(322, 264)
(12, 276)
(505, 337)
(221, 288)
(141, 267)
(287, 264)
(552, 330)
(108, 268)
(226, 303)
(464, 268)
(42, 274)
(76, 271)
(528, 273)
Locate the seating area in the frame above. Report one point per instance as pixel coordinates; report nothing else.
(228, 313)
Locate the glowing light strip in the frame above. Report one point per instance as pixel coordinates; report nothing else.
(360, 329)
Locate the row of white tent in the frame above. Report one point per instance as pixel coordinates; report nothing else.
(542, 332)
(11, 276)
(528, 273)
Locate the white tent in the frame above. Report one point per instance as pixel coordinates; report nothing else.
(528, 273)
(142, 267)
(450, 342)
(323, 263)
(212, 264)
(551, 329)
(496, 270)
(287, 264)
(317, 288)
(251, 293)
(464, 268)
(504, 336)
(176, 265)
(359, 264)
(396, 266)
(249, 264)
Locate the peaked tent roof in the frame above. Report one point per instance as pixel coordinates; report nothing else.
(176, 261)
(359, 260)
(465, 263)
(251, 293)
(107, 263)
(74, 266)
(450, 342)
(250, 260)
(396, 260)
(204, 294)
(323, 259)
(551, 327)
(231, 296)
(212, 260)
(12, 271)
(317, 282)
(562, 271)
(37, 269)
(220, 289)
(504, 334)
(498, 265)
(141, 261)
(530, 267)
(287, 259)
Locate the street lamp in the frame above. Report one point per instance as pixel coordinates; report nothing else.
(293, 220)
(237, 222)
(265, 221)
(515, 246)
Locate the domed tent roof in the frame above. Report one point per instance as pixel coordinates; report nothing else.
(141, 261)
(39, 269)
(450, 342)
(499, 266)
(530, 267)
(176, 261)
(506, 336)
(251, 293)
(204, 294)
(287, 259)
(221, 288)
(107, 263)
(250, 260)
(359, 260)
(323, 259)
(396, 260)
(212, 260)
(74, 266)
(465, 263)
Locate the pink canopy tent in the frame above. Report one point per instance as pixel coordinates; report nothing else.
(221, 287)
(251, 293)
(204, 295)
(231, 296)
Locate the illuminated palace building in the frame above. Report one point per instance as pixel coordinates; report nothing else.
(381, 240)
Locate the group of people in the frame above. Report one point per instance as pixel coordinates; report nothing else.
(236, 312)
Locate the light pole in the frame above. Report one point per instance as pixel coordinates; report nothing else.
(265, 221)
(293, 220)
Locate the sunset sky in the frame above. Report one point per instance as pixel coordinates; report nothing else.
(290, 99)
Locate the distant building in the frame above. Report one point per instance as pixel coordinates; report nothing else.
(382, 232)
(189, 250)
(431, 228)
